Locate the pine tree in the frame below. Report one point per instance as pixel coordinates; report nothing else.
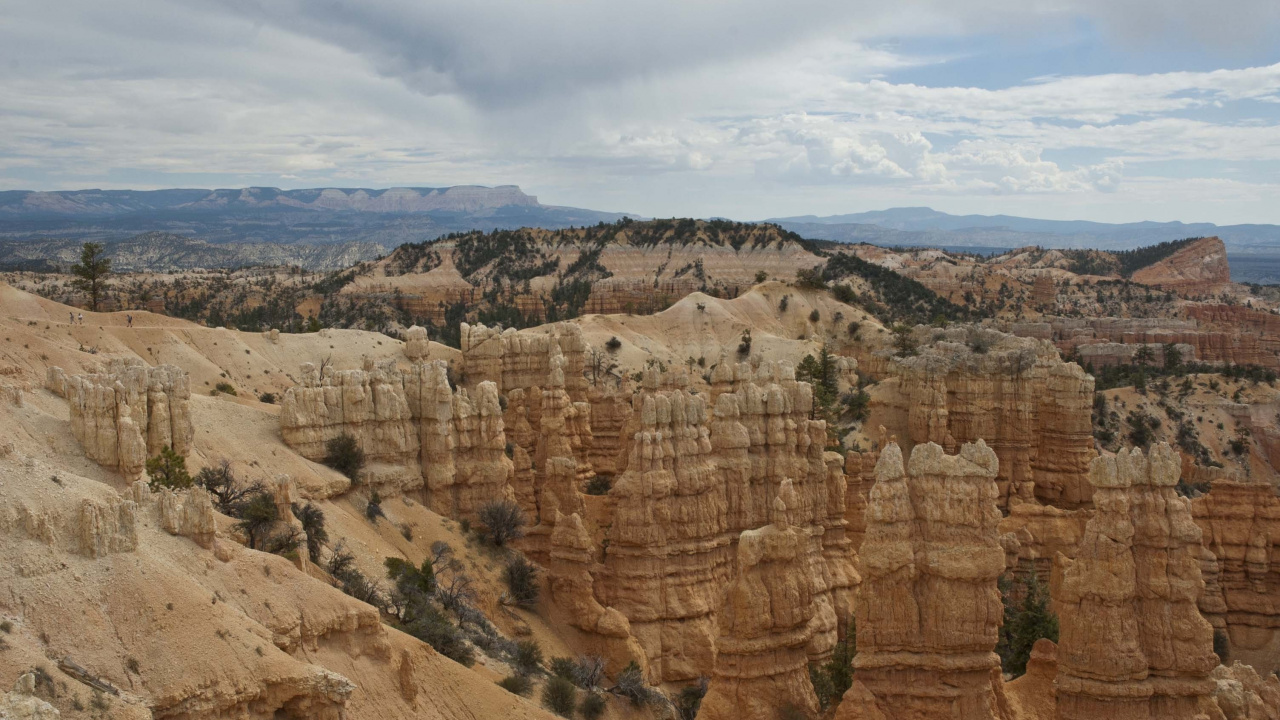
(91, 272)
(1025, 622)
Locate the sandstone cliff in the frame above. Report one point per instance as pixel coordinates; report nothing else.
(1241, 525)
(1196, 270)
(1017, 395)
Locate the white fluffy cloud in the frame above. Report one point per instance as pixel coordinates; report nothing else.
(735, 107)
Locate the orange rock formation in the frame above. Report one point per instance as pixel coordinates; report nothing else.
(928, 610)
(1133, 643)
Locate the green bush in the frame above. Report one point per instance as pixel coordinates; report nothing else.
(373, 510)
(528, 657)
(592, 706)
(598, 485)
(503, 521)
(268, 398)
(516, 684)
(312, 519)
(689, 699)
(566, 668)
(168, 470)
(521, 577)
(559, 696)
(343, 454)
(226, 388)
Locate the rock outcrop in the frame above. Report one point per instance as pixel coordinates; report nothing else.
(761, 666)
(1017, 395)
(606, 632)
(127, 413)
(1133, 643)
(1197, 270)
(1241, 526)
(693, 484)
(452, 444)
(369, 404)
(928, 610)
(1243, 694)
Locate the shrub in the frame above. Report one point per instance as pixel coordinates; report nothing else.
(516, 685)
(430, 625)
(834, 677)
(258, 516)
(613, 344)
(528, 657)
(592, 706)
(342, 566)
(565, 668)
(631, 685)
(503, 521)
(373, 510)
(559, 696)
(521, 577)
(761, 276)
(744, 346)
(268, 398)
(224, 387)
(689, 699)
(782, 304)
(854, 327)
(229, 496)
(815, 316)
(168, 470)
(312, 519)
(598, 485)
(343, 454)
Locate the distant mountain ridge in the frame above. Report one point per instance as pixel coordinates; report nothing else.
(925, 226)
(368, 222)
(106, 203)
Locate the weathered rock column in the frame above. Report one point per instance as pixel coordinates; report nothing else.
(1133, 643)
(928, 611)
(761, 665)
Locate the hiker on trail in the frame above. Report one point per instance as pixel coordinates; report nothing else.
(130, 319)
(72, 315)
(81, 318)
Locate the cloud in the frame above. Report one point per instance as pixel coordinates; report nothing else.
(660, 107)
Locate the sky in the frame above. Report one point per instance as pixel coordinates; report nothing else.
(1108, 110)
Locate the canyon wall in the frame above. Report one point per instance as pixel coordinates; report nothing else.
(127, 413)
(1241, 526)
(692, 483)
(1133, 643)
(1208, 333)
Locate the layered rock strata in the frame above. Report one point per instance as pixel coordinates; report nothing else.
(1018, 396)
(761, 666)
(573, 559)
(928, 610)
(1197, 270)
(1133, 643)
(454, 442)
(1241, 526)
(127, 413)
(692, 484)
(368, 404)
